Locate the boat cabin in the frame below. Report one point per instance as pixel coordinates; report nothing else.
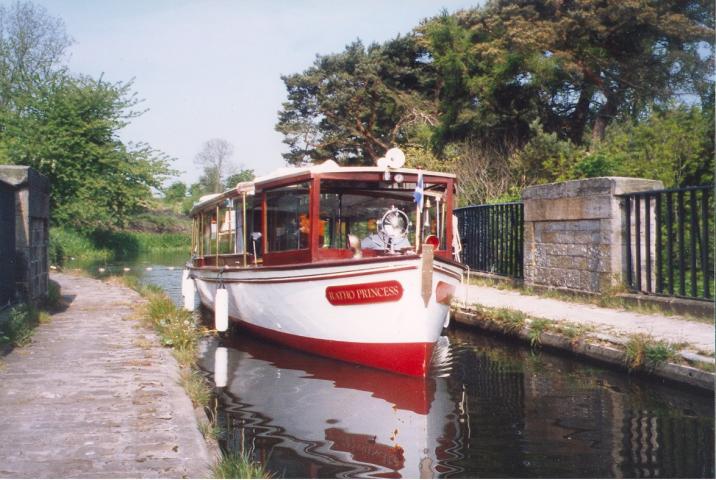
(324, 213)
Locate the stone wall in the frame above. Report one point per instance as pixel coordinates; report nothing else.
(7, 243)
(573, 233)
(32, 215)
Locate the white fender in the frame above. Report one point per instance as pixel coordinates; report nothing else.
(188, 291)
(221, 310)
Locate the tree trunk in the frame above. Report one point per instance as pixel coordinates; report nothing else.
(605, 115)
(578, 118)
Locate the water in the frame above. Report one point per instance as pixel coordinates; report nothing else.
(162, 269)
(490, 408)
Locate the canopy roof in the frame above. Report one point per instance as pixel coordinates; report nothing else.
(327, 167)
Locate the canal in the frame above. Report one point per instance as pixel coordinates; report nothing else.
(490, 408)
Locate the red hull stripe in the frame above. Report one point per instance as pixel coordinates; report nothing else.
(405, 358)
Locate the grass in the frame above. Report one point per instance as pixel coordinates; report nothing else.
(238, 465)
(537, 326)
(210, 429)
(505, 319)
(643, 352)
(177, 330)
(66, 243)
(196, 387)
(18, 324)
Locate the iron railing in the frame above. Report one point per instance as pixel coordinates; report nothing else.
(669, 246)
(492, 238)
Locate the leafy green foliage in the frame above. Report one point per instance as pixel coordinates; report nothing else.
(54, 295)
(17, 329)
(354, 105)
(69, 134)
(66, 126)
(108, 245)
(597, 165)
(671, 145)
(32, 50)
(524, 92)
(241, 176)
(175, 192)
(643, 351)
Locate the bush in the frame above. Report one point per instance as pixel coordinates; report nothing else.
(54, 295)
(596, 165)
(18, 328)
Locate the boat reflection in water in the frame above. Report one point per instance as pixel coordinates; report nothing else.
(488, 408)
(344, 419)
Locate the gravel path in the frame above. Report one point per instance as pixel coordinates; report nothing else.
(94, 395)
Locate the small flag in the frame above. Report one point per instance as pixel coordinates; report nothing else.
(418, 193)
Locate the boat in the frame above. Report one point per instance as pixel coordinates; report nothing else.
(353, 263)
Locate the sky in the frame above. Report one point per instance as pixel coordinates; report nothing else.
(212, 69)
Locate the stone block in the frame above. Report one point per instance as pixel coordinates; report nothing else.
(586, 238)
(567, 262)
(570, 189)
(590, 186)
(560, 209)
(572, 226)
(529, 232)
(559, 249)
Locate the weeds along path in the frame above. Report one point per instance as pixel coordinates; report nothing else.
(94, 395)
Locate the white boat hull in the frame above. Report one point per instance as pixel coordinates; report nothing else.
(373, 313)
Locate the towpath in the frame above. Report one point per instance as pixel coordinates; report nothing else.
(620, 323)
(94, 395)
(607, 336)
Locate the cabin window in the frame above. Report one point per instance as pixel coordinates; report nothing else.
(208, 235)
(252, 227)
(287, 216)
(357, 209)
(226, 229)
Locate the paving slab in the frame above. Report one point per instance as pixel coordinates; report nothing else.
(700, 336)
(95, 396)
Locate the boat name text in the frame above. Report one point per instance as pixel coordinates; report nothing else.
(388, 291)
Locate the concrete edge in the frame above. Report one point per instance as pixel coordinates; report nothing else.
(591, 349)
(680, 306)
(212, 445)
(173, 370)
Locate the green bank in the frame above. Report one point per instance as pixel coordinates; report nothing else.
(66, 243)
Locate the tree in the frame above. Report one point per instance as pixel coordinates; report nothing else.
(70, 134)
(32, 51)
(567, 64)
(243, 175)
(525, 91)
(175, 192)
(215, 158)
(355, 105)
(670, 145)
